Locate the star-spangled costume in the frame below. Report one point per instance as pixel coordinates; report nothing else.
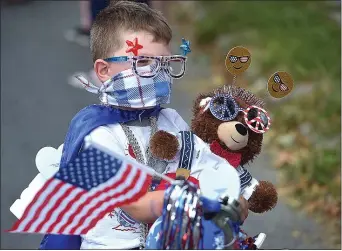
(102, 124)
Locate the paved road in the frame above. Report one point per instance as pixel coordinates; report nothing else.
(37, 105)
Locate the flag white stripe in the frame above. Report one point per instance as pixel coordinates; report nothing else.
(103, 196)
(84, 197)
(36, 205)
(51, 204)
(61, 207)
(136, 189)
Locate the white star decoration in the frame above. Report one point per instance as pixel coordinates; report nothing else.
(154, 225)
(219, 242)
(157, 236)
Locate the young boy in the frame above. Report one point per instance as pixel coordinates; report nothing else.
(80, 35)
(131, 95)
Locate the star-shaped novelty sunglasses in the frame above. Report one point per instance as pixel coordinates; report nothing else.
(277, 80)
(225, 108)
(234, 59)
(148, 66)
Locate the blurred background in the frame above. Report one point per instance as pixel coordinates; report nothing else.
(43, 43)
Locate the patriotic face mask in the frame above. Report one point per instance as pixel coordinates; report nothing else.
(127, 89)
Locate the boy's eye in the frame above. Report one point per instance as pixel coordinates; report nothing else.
(143, 62)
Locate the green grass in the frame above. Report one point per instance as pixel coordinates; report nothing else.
(295, 34)
(300, 38)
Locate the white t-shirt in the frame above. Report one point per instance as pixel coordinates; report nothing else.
(118, 230)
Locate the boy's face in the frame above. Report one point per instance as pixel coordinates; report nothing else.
(106, 70)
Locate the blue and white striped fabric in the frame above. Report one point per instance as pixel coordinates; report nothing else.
(245, 178)
(126, 89)
(187, 150)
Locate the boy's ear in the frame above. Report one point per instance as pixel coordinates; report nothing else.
(102, 70)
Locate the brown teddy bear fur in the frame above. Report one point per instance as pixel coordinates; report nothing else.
(205, 126)
(264, 198)
(164, 144)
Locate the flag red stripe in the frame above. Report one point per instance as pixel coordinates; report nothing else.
(57, 204)
(41, 207)
(28, 208)
(134, 198)
(99, 203)
(65, 210)
(90, 198)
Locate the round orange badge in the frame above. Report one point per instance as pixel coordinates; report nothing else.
(238, 60)
(280, 84)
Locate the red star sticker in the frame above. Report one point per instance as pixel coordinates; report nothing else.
(135, 46)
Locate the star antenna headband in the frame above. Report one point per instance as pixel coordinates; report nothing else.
(185, 47)
(237, 61)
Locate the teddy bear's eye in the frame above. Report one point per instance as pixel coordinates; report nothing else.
(264, 118)
(219, 101)
(231, 106)
(252, 114)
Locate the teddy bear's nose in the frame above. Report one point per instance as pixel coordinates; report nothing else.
(241, 129)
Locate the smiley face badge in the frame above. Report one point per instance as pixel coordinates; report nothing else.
(280, 84)
(238, 60)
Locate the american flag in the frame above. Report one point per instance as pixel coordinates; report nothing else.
(82, 193)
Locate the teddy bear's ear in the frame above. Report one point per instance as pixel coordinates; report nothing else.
(204, 104)
(200, 101)
(47, 162)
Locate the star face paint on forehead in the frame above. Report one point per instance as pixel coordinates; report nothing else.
(133, 46)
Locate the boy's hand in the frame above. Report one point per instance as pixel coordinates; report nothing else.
(244, 208)
(148, 208)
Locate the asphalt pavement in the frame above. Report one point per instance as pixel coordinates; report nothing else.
(37, 105)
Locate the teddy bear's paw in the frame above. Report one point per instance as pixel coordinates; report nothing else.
(47, 162)
(264, 198)
(164, 145)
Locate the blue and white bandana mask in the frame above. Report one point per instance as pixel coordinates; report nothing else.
(126, 89)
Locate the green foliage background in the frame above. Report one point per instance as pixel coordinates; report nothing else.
(302, 38)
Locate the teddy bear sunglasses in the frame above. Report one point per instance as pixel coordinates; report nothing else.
(283, 87)
(225, 108)
(175, 65)
(234, 59)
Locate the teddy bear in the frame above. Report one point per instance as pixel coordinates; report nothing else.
(232, 121)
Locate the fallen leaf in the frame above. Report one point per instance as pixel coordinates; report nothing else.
(286, 140)
(294, 202)
(286, 190)
(284, 157)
